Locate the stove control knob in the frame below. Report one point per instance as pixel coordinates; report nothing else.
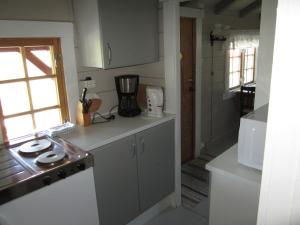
(47, 180)
(81, 166)
(62, 174)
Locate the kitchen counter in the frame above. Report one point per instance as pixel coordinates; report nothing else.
(227, 164)
(97, 135)
(234, 190)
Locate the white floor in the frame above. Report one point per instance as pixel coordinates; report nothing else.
(178, 216)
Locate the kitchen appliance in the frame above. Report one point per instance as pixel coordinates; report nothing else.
(155, 100)
(38, 175)
(252, 135)
(127, 89)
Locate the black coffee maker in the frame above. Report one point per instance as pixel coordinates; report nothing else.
(127, 88)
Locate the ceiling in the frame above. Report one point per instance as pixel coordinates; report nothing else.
(243, 7)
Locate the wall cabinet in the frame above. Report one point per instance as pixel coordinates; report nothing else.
(116, 33)
(134, 173)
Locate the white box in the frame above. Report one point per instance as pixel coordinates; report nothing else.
(252, 135)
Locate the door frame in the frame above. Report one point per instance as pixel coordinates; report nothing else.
(196, 14)
(171, 25)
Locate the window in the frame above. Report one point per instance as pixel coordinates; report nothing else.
(32, 88)
(241, 67)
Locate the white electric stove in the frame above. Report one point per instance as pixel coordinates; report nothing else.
(46, 181)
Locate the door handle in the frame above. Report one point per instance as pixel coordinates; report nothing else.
(142, 145)
(133, 150)
(109, 53)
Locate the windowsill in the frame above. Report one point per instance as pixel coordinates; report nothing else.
(228, 94)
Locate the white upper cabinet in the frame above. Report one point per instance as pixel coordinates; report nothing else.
(117, 33)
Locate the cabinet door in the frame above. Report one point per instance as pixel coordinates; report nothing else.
(155, 163)
(115, 172)
(129, 32)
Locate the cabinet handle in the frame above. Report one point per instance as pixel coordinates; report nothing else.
(133, 150)
(109, 54)
(143, 145)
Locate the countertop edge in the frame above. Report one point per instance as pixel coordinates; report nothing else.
(167, 118)
(223, 171)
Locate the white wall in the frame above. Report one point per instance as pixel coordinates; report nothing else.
(61, 10)
(225, 113)
(46, 10)
(265, 54)
(280, 188)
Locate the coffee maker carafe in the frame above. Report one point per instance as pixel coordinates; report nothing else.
(127, 88)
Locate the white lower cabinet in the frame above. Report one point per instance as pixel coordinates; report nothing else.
(134, 173)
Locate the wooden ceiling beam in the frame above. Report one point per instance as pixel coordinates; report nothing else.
(222, 5)
(249, 8)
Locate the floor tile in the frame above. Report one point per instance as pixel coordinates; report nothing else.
(202, 208)
(178, 216)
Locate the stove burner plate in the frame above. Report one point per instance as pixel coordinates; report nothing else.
(35, 146)
(51, 157)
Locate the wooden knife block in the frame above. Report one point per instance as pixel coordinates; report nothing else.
(82, 119)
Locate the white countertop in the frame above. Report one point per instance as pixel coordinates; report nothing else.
(227, 164)
(97, 135)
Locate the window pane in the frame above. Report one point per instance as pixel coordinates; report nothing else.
(250, 62)
(250, 51)
(11, 64)
(236, 64)
(235, 79)
(44, 93)
(18, 126)
(234, 52)
(47, 119)
(249, 76)
(39, 61)
(14, 98)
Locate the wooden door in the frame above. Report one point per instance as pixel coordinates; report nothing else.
(116, 181)
(156, 164)
(187, 49)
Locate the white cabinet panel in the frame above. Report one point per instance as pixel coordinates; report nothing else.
(115, 33)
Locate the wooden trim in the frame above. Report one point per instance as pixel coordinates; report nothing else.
(37, 62)
(28, 85)
(8, 42)
(29, 79)
(62, 93)
(31, 112)
(17, 49)
(2, 126)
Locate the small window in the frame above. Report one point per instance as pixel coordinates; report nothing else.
(32, 88)
(241, 67)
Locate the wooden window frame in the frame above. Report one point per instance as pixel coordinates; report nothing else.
(242, 68)
(232, 72)
(244, 61)
(58, 75)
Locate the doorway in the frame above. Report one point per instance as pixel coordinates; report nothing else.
(188, 69)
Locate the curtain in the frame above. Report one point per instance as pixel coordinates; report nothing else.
(241, 39)
(238, 39)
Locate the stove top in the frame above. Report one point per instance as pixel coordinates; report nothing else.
(29, 165)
